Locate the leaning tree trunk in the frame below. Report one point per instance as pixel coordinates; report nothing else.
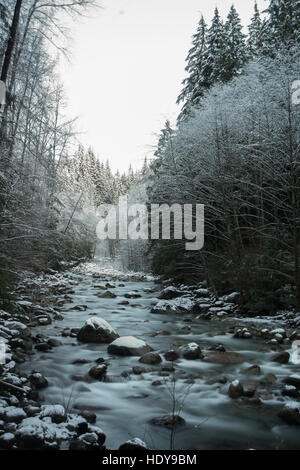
(11, 41)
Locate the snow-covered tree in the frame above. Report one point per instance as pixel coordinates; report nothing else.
(193, 85)
(235, 53)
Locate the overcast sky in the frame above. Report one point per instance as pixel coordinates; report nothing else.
(126, 70)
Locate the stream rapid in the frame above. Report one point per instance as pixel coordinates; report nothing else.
(125, 403)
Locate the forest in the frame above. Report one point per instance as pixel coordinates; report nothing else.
(219, 368)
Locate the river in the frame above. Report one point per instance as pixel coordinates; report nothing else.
(124, 404)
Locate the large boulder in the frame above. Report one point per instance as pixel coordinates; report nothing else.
(97, 330)
(128, 346)
(224, 357)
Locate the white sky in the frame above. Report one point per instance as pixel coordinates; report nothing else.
(126, 70)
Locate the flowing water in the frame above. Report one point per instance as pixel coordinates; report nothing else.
(124, 405)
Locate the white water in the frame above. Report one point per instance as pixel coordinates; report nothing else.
(124, 406)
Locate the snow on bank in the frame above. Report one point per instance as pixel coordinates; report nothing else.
(102, 269)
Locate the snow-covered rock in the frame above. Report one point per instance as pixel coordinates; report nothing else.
(97, 330)
(57, 413)
(14, 414)
(128, 346)
(291, 413)
(191, 351)
(135, 444)
(235, 389)
(178, 305)
(170, 292)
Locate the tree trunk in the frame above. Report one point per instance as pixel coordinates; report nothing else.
(11, 41)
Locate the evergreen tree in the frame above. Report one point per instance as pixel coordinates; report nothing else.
(193, 84)
(214, 56)
(235, 55)
(284, 21)
(255, 38)
(163, 142)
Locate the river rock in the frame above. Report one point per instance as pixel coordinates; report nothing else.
(107, 295)
(137, 370)
(98, 372)
(249, 390)
(135, 444)
(235, 389)
(178, 305)
(290, 413)
(290, 391)
(171, 355)
(191, 351)
(268, 379)
(128, 346)
(14, 415)
(282, 357)
(43, 347)
(44, 320)
(168, 421)
(252, 370)
(224, 357)
(57, 413)
(242, 333)
(151, 358)
(87, 441)
(38, 380)
(132, 295)
(7, 440)
(89, 416)
(170, 292)
(293, 380)
(97, 330)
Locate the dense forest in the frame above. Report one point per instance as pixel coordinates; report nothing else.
(50, 184)
(236, 150)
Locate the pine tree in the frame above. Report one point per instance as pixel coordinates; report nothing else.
(255, 38)
(235, 47)
(163, 142)
(193, 84)
(284, 21)
(214, 56)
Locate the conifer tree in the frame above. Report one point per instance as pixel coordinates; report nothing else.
(214, 57)
(255, 38)
(284, 22)
(235, 51)
(193, 84)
